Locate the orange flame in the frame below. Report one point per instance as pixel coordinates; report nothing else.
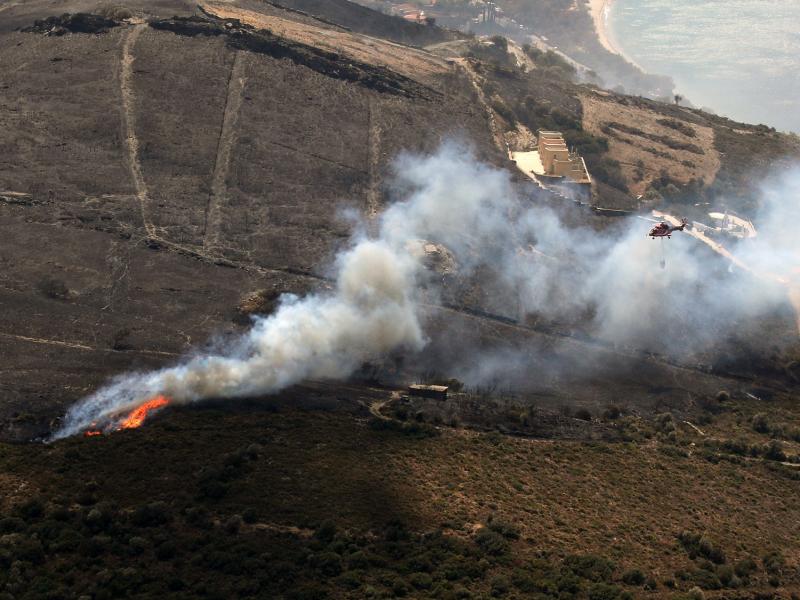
(139, 414)
(135, 419)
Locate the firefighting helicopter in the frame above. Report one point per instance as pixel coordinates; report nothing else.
(664, 229)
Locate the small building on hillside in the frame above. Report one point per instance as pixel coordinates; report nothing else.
(553, 165)
(558, 160)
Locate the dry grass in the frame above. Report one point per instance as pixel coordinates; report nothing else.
(629, 149)
(411, 62)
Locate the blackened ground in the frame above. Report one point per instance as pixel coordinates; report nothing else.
(243, 37)
(67, 23)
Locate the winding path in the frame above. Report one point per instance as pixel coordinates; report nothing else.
(227, 137)
(373, 161)
(129, 125)
(78, 346)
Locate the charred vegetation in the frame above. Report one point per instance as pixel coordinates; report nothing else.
(585, 469)
(243, 37)
(72, 23)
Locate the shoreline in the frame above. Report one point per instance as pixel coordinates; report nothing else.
(599, 11)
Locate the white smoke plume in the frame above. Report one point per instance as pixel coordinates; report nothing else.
(529, 260)
(371, 312)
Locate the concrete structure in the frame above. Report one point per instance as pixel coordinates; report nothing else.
(727, 225)
(733, 226)
(439, 392)
(553, 166)
(557, 159)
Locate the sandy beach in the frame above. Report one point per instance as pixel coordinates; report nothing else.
(599, 11)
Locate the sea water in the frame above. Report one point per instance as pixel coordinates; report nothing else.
(740, 58)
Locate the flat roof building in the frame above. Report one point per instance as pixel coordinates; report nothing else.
(558, 160)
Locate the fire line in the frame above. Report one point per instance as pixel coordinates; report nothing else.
(136, 417)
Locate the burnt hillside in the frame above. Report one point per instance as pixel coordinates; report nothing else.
(363, 20)
(151, 178)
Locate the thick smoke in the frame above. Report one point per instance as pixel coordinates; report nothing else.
(610, 282)
(528, 261)
(371, 312)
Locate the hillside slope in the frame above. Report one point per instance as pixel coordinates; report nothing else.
(169, 173)
(151, 178)
(158, 173)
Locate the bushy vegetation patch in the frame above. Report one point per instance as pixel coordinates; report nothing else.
(609, 128)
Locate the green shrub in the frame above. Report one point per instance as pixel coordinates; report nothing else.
(31, 510)
(607, 591)
(253, 451)
(774, 562)
(500, 586)
(421, 581)
(68, 540)
(249, 515)
(94, 546)
(774, 451)
(704, 579)
(589, 566)
(399, 587)
(712, 552)
(233, 524)
(98, 519)
(167, 551)
(328, 563)
(53, 288)
(60, 513)
(326, 531)
(137, 545)
(697, 545)
(504, 528)
(738, 447)
(199, 516)
(491, 542)
(308, 591)
(357, 560)
(760, 423)
(695, 594)
(684, 128)
(504, 111)
(745, 567)
(633, 577)
(212, 489)
(725, 574)
(151, 515)
(12, 525)
(351, 580)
